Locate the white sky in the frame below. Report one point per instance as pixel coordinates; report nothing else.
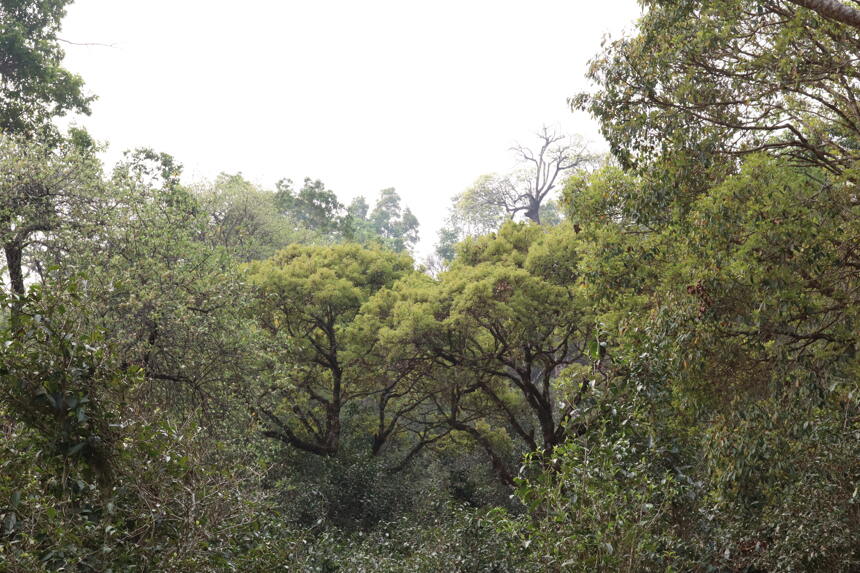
(423, 97)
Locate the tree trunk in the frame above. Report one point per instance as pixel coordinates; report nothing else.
(533, 212)
(14, 265)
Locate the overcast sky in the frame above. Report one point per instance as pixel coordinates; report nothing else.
(423, 97)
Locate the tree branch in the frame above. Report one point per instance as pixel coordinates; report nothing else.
(832, 10)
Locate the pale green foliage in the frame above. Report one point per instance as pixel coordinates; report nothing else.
(481, 208)
(493, 333)
(307, 299)
(244, 219)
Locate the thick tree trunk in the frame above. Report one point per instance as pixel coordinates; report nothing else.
(533, 212)
(832, 10)
(15, 267)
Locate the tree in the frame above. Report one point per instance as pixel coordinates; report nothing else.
(472, 214)
(34, 87)
(553, 156)
(56, 376)
(483, 207)
(448, 237)
(87, 467)
(313, 206)
(358, 209)
(388, 224)
(44, 191)
(704, 82)
(167, 296)
(607, 498)
(509, 347)
(244, 219)
(395, 226)
(734, 315)
(403, 414)
(493, 198)
(525, 191)
(307, 299)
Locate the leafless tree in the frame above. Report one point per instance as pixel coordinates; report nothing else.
(545, 165)
(542, 168)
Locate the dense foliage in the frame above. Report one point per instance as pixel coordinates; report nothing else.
(222, 377)
(35, 88)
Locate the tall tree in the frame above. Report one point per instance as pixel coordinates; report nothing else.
(307, 299)
(738, 120)
(498, 330)
(244, 219)
(705, 80)
(544, 165)
(388, 223)
(526, 190)
(34, 87)
(162, 285)
(313, 206)
(395, 225)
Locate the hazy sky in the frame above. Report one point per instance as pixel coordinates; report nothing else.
(423, 97)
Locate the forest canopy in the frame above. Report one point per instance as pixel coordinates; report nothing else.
(641, 362)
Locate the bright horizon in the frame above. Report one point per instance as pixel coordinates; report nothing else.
(364, 97)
